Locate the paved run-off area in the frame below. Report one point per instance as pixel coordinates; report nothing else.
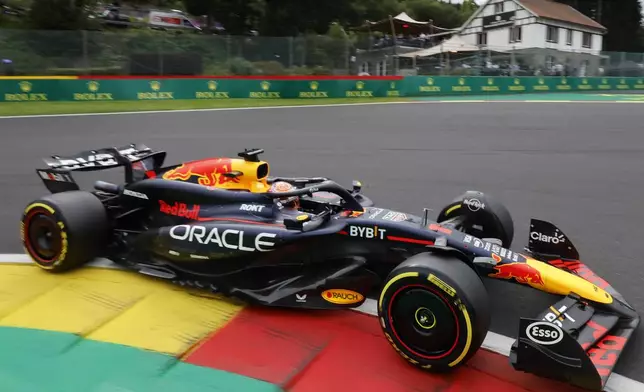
(577, 165)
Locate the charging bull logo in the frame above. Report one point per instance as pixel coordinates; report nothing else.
(208, 172)
(521, 272)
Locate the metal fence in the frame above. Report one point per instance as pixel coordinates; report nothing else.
(511, 61)
(153, 52)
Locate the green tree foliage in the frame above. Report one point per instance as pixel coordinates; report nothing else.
(270, 17)
(622, 18)
(279, 18)
(239, 16)
(442, 14)
(468, 7)
(288, 17)
(373, 10)
(59, 14)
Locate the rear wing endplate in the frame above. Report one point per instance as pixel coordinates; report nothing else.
(57, 177)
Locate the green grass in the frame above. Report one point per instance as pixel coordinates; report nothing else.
(35, 108)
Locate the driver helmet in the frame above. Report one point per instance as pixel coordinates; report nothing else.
(282, 186)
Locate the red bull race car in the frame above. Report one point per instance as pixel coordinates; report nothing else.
(224, 225)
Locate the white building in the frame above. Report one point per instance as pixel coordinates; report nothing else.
(523, 24)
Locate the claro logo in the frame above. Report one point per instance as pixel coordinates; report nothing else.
(342, 297)
(546, 238)
(544, 333)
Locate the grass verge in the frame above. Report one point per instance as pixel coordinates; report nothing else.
(36, 108)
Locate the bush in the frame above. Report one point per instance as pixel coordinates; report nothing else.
(239, 66)
(217, 69)
(86, 71)
(269, 68)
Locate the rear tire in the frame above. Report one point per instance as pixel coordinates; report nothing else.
(434, 311)
(64, 230)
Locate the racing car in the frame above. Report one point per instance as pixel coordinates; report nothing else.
(220, 225)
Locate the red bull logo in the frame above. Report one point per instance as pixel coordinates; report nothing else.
(180, 209)
(208, 172)
(521, 272)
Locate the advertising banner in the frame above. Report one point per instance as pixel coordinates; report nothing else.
(436, 86)
(499, 20)
(16, 90)
(88, 90)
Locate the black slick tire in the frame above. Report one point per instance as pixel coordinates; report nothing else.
(64, 230)
(434, 311)
(485, 216)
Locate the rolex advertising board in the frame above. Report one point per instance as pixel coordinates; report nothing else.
(29, 90)
(168, 89)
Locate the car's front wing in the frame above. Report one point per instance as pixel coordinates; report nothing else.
(575, 341)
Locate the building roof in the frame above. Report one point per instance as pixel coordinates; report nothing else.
(549, 9)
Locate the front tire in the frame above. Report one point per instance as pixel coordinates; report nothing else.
(64, 230)
(481, 216)
(434, 311)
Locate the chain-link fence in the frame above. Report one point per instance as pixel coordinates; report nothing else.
(153, 52)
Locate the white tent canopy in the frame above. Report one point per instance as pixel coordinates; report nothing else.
(403, 17)
(454, 44)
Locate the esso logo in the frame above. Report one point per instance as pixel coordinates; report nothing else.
(544, 333)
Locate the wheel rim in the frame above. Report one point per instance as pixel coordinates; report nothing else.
(424, 322)
(425, 318)
(43, 237)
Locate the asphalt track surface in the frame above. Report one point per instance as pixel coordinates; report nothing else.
(576, 165)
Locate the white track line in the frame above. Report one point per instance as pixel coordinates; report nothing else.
(27, 116)
(208, 110)
(494, 342)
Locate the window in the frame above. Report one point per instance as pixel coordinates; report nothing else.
(588, 40)
(552, 34)
(569, 37)
(498, 8)
(550, 62)
(515, 34)
(481, 39)
(381, 68)
(364, 67)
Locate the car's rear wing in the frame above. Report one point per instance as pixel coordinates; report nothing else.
(135, 158)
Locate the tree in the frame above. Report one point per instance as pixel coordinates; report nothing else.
(442, 14)
(59, 14)
(622, 18)
(238, 16)
(289, 18)
(468, 7)
(373, 10)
